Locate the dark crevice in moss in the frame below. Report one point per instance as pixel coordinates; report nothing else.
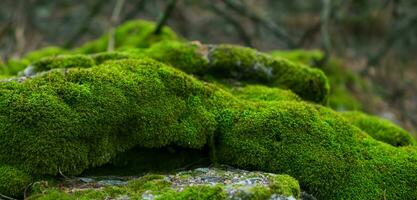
(139, 161)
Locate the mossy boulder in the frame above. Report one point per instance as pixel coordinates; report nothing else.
(219, 183)
(73, 120)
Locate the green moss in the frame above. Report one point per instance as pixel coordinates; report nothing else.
(344, 84)
(263, 93)
(74, 120)
(137, 33)
(330, 158)
(307, 57)
(13, 66)
(52, 194)
(100, 58)
(380, 129)
(310, 140)
(285, 185)
(184, 56)
(12, 181)
(242, 64)
(196, 192)
(63, 61)
(97, 112)
(154, 183)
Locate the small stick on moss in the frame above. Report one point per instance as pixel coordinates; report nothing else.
(62, 174)
(2, 196)
(164, 17)
(25, 193)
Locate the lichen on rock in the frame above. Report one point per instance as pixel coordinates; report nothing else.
(201, 183)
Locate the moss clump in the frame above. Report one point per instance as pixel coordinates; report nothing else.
(184, 56)
(97, 112)
(75, 120)
(331, 158)
(308, 57)
(13, 66)
(155, 183)
(137, 34)
(222, 61)
(100, 58)
(12, 181)
(263, 93)
(203, 192)
(63, 61)
(344, 84)
(285, 185)
(380, 129)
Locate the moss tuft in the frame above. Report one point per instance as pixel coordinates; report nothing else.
(137, 34)
(12, 181)
(380, 129)
(263, 93)
(63, 61)
(285, 185)
(203, 192)
(13, 66)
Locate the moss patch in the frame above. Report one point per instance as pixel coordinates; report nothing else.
(380, 129)
(13, 181)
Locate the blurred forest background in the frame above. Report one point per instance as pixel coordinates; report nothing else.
(373, 43)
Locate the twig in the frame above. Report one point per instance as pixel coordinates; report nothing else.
(234, 22)
(85, 24)
(324, 31)
(25, 196)
(62, 174)
(164, 17)
(268, 24)
(6, 197)
(113, 22)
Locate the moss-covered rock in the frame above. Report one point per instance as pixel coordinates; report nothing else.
(221, 61)
(74, 120)
(200, 183)
(380, 129)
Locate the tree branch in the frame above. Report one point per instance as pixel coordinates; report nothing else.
(234, 22)
(164, 17)
(268, 24)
